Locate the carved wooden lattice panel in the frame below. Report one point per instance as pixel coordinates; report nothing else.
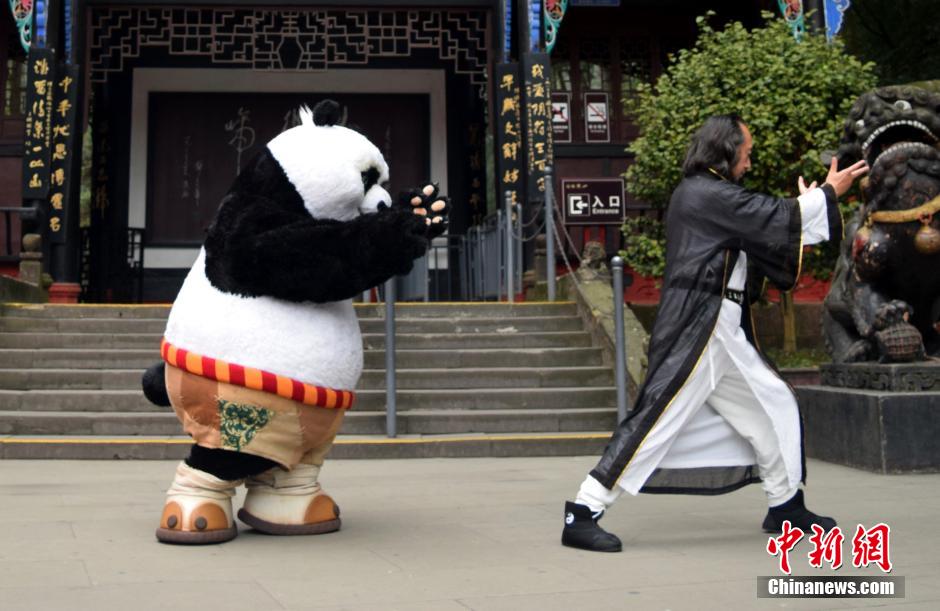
(275, 40)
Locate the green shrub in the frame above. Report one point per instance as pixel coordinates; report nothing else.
(794, 96)
(644, 245)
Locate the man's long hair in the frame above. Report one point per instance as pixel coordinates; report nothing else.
(715, 146)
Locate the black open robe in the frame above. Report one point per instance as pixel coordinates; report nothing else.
(709, 222)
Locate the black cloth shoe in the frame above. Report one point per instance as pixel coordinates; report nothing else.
(799, 516)
(581, 530)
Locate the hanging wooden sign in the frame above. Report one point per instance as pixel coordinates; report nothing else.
(561, 117)
(509, 131)
(537, 71)
(593, 201)
(40, 82)
(64, 126)
(596, 117)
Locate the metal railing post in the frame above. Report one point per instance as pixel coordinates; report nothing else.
(509, 246)
(427, 271)
(619, 348)
(550, 233)
(500, 245)
(390, 406)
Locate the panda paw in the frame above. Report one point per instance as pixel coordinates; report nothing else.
(407, 234)
(429, 204)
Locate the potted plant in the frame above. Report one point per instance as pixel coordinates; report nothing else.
(644, 253)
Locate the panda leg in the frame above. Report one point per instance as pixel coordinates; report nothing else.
(198, 508)
(226, 464)
(281, 502)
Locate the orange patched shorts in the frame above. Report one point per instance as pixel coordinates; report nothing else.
(220, 415)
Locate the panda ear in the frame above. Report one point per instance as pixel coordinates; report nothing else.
(305, 115)
(326, 112)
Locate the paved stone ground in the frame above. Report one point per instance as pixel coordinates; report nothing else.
(436, 534)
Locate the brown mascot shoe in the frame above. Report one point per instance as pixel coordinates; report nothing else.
(198, 509)
(291, 502)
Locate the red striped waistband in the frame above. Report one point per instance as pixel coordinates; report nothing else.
(255, 379)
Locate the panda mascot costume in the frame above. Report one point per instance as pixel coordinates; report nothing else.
(262, 348)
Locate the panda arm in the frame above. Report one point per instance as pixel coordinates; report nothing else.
(299, 258)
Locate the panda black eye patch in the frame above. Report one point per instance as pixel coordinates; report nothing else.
(369, 179)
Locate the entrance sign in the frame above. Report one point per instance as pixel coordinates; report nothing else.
(596, 117)
(593, 201)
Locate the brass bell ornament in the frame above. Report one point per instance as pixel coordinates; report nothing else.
(927, 238)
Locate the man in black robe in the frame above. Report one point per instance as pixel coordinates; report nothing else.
(712, 414)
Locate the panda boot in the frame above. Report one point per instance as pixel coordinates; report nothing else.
(198, 509)
(291, 502)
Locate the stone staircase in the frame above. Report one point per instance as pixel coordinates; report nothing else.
(473, 379)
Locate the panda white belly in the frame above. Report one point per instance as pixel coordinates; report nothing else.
(309, 342)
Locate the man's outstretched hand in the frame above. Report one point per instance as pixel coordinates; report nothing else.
(842, 181)
(803, 187)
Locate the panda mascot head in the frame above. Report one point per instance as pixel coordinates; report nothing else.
(324, 174)
(337, 172)
(262, 349)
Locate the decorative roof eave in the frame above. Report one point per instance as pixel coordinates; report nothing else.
(22, 13)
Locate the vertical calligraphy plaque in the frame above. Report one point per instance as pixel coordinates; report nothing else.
(62, 148)
(538, 121)
(39, 85)
(509, 131)
(476, 160)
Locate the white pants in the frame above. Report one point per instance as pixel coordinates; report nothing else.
(733, 410)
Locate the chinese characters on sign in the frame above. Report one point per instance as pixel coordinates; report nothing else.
(475, 154)
(509, 131)
(561, 117)
(243, 136)
(100, 200)
(592, 201)
(596, 118)
(868, 547)
(538, 121)
(62, 143)
(39, 113)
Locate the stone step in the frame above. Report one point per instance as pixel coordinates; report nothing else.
(370, 340)
(516, 324)
(430, 422)
(113, 358)
(490, 309)
(474, 399)
(129, 379)
(137, 326)
(429, 341)
(95, 310)
(75, 358)
(28, 340)
(345, 447)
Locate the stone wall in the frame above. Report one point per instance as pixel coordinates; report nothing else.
(769, 323)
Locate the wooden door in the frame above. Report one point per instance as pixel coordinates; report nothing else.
(198, 142)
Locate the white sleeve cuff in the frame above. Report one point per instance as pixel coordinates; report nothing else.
(814, 216)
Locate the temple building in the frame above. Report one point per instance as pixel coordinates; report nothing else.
(119, 154)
